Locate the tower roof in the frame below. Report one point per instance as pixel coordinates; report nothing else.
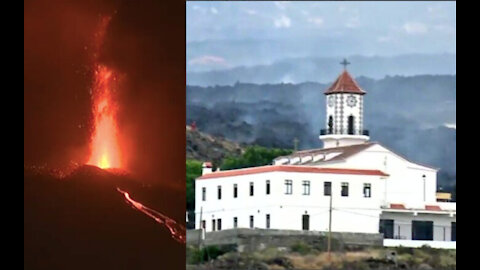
(345, 84)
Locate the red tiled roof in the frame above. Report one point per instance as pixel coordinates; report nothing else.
(397, 206)
(345, 84)
(290, 168)
(433, 208)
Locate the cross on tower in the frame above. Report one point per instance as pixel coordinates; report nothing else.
(295, 144)
(345, 63)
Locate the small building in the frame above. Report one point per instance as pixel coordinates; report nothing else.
(350, 185)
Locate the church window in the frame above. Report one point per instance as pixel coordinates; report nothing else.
(235, 190)
(267, 188)
(251, 188)
(306, 187)
(235, 222)
(288, 186)
(344, 189)
(330, 125)
(213, 225)
(351, 121)
(251, 222)
(204, 194)
(219, 224)
(267, 222)
(367, 190)
(219, 192)
(327, 188)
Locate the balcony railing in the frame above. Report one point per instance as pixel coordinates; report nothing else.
(348, 132)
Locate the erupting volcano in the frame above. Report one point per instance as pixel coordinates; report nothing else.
(105, 150)
(100, 190)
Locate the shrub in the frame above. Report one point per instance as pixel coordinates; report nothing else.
(197, 256)
(254, 156)
(301, 247)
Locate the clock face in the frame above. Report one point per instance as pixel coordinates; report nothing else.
(351, 101)
(331, 101)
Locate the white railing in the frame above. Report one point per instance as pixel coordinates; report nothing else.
(419, 243)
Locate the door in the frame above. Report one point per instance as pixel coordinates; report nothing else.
(305, 222)
(386, 227)
(454, 231)
(422, 230)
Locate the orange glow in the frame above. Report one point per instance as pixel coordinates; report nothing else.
(177, 230)
(105, 151)
(104, 145)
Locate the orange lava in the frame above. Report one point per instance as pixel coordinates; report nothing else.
(105, 150)
(177, 230)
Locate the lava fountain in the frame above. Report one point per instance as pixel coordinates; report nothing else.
(105, 149)
(104, 145)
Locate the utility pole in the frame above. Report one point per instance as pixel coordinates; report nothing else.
(200, 235)
(330, 229)
(424, 187)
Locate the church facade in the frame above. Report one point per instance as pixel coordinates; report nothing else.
(349, 185)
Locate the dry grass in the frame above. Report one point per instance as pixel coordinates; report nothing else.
(318, 261)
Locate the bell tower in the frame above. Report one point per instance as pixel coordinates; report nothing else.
(344, 112)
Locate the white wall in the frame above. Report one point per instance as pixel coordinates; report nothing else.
(286, 210)
(418, 243)
(330, 141)
(405, 182)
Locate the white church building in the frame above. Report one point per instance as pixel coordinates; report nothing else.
(362, 185)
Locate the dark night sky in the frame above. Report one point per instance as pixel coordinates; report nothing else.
(145, 42)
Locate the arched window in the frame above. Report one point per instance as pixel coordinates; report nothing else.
(351, 124)
(330, 125)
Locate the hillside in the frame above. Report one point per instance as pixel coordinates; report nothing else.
(409, 115)
(81, 221)
(204, 147)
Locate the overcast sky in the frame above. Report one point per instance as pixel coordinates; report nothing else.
(365, 28)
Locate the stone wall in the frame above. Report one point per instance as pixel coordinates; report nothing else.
(258, 239)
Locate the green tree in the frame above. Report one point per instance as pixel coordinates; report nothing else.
(194, 170)
(254, 156)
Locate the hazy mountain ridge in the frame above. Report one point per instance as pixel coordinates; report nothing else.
(406, 114)
(322, 69)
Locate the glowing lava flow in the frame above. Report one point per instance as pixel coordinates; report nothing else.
(105, 151)
(177, 231)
